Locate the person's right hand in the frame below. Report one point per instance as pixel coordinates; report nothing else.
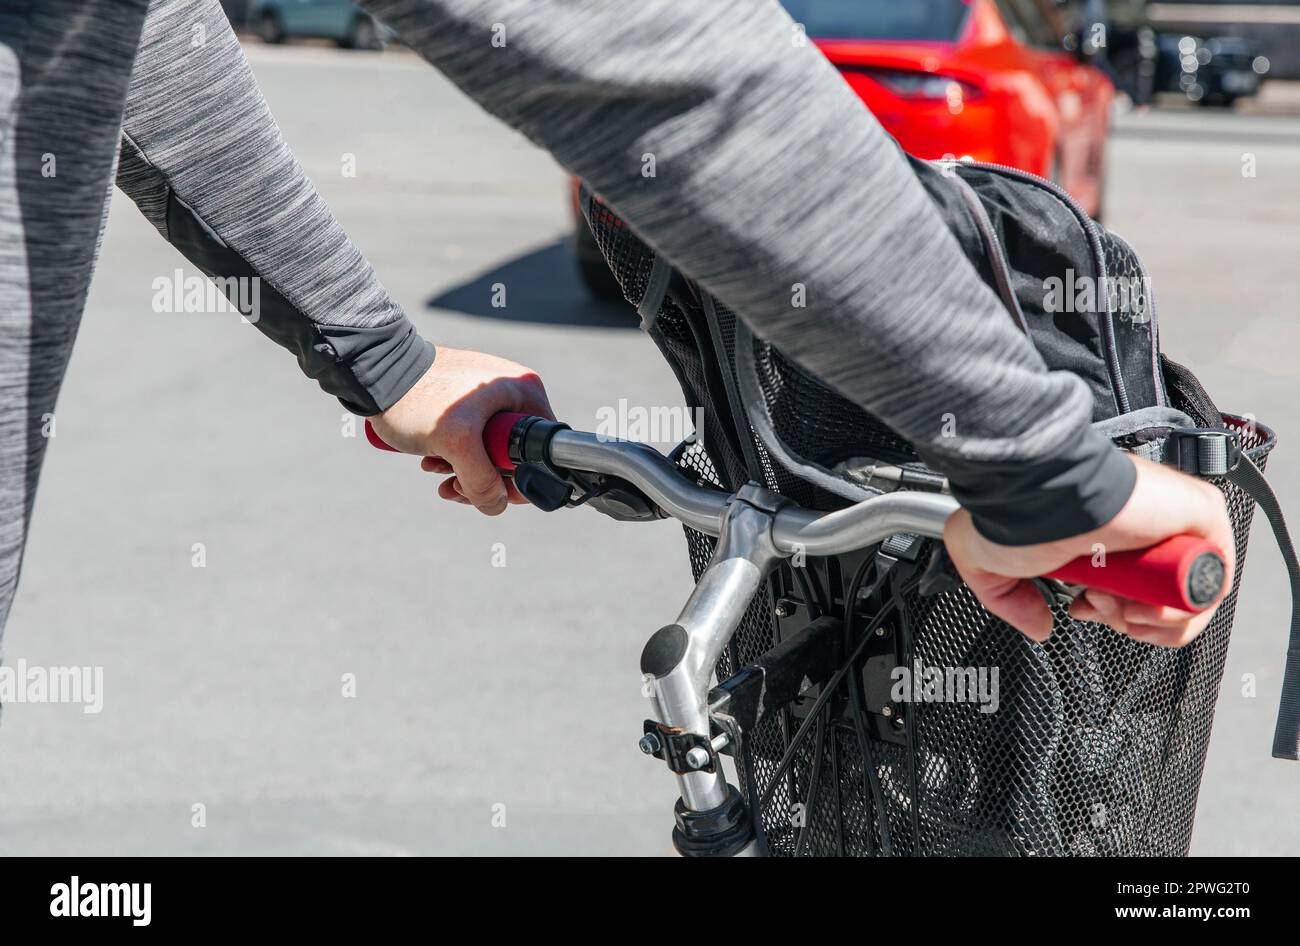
(1164, 503)
(442, 418)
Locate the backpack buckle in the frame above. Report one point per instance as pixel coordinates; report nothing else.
(1203, 451)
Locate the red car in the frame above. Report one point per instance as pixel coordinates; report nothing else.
(985, 79)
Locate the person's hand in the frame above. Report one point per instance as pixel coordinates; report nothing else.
(1164, 504)
(442, 418)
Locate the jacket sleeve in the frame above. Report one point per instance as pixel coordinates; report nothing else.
(205, 162)
(730, 144)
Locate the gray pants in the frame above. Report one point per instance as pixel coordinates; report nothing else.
(203, 159)
(55, 175)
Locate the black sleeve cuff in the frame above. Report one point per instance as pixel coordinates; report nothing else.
(367, 369)
(1079, 488)
(384, 363)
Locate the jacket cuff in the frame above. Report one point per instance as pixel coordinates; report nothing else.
(385, 361)
(1079, 488)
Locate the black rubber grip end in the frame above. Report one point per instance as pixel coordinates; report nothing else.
(1205, 579)
(664, 650)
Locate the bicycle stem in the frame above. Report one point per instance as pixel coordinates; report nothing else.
(682, 656)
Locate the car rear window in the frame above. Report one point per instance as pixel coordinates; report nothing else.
(931, 20)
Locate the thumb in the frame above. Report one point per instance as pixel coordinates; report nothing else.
(1016, 601)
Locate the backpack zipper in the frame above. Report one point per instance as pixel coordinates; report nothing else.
(1149, 291)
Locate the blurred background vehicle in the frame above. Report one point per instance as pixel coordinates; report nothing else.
(340, 20)
(989, 80)
(1217, 71)
(1174, 52)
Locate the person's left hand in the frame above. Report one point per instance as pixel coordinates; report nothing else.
(442, 419)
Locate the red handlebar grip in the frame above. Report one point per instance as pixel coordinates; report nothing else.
(1185, 572)
(377, 441)
(496, 439)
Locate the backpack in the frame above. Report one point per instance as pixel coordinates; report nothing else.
(1110, 719)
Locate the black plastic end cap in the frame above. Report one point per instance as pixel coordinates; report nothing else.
(664, 650)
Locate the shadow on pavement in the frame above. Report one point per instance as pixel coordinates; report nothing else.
(541, 287)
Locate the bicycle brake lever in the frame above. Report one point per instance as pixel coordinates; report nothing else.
(624, 502)
(541, 487)
(940, 575)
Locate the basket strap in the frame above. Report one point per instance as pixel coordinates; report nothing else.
(1286, 736)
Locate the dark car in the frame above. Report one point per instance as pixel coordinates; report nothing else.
(340, 20)
(1216, 71)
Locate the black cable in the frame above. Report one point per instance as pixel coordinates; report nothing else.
(870, 776)
(839, 796)
(812, 783)
(821, 701)
(815, 609)
(914, 781)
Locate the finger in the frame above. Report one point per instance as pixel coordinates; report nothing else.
(1165, 636)
(1147, 614)
(531, 398)
(1081, 610)
(449, 490)
(1017, 602)
(435, 465)
(479, 480)
(513, 494)
(1101, 608)
(1104, 608)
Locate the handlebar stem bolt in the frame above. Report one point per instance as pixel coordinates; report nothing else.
(698, 757)
(650, 743)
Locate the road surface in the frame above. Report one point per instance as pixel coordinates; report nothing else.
(496, 706)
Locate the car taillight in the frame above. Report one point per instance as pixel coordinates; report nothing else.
(924, 85)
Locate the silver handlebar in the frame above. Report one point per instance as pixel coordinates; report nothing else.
(794, 529)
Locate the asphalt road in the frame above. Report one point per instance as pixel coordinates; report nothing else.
(496, 709)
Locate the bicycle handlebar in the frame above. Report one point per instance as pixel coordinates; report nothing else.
(1184, 572)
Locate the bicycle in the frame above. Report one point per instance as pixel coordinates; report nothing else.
(812, 679)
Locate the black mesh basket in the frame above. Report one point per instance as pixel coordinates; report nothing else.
(1098, 743)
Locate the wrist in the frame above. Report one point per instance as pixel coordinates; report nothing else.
(1062, 497)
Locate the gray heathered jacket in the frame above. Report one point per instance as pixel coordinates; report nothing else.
(769, 172)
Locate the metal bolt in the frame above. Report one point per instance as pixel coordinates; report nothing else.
(698, 757)
(882, 631)
(650, 743)
(784, 608)
(886, 711)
